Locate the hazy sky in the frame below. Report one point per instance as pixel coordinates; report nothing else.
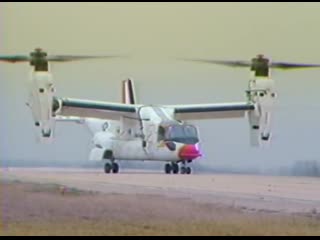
(153, 35)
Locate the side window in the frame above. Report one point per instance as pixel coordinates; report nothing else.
(161, 133)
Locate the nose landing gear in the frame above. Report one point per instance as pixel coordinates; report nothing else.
(185, 170)
(175, 169)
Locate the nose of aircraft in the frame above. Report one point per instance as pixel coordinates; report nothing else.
(189, 152)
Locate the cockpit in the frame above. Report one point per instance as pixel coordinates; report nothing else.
(260, 65)
(181, 133)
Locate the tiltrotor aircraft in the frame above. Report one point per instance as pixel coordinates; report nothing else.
(134, 131)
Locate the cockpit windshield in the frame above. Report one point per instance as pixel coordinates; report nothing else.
(186, 134)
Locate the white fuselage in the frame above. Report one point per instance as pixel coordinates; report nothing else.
(129, 138)
(137, 139)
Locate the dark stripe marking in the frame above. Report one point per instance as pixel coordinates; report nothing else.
(98, 106)
(214, 109)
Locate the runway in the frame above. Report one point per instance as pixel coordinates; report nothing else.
(248, 192)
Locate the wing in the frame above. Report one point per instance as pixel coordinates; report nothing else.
(212, 111)
(95, 109)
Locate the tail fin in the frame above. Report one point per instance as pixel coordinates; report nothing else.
(128, 92)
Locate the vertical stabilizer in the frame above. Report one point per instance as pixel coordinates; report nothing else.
(128, 92)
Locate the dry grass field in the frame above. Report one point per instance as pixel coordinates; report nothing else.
(48, 209)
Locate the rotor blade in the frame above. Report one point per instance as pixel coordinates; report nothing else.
(279, 65)
(14, 58)
(68, 58)
(222, 62)
(289, 66)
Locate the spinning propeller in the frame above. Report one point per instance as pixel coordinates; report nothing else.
(39, 59)
(259, 64)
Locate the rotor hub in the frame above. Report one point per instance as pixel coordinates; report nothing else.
(260, 65)
(38, 60)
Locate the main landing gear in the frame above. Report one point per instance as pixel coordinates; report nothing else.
(111, 167)
(175, 169)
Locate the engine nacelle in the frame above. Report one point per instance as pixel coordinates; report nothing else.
(41, 102)
(261, 93)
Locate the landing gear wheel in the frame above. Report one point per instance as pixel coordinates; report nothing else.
(175, 168)
(265, 137)
(167, 168)
(115, 167)
(188, 170)
(183, 170)
(46, 134)
(107, 168)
